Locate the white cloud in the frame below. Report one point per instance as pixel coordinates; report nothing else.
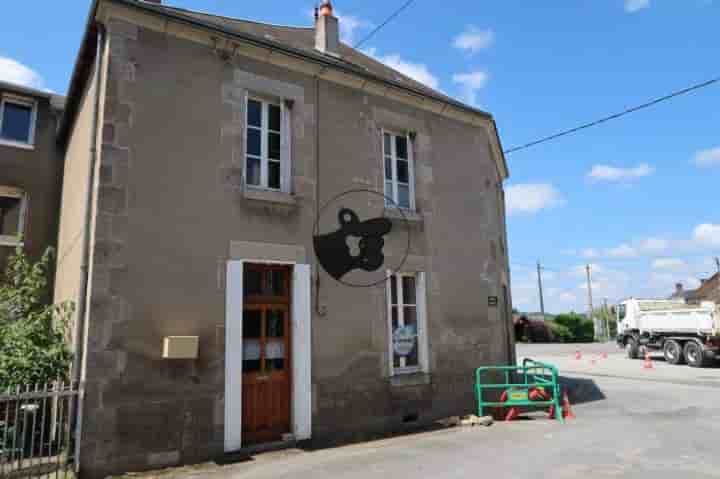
(669, 264)
(474, 39)
(632, 6)
(622, 251)
(612, 173)
(12, 71)
(707, 235)
(531, 198)
(707, 158)
(590, 253)
(349, 27)
(417, 71)
(471, 83)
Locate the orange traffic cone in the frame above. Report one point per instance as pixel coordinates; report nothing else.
(567, 410)
(603, 355)
(593, 362)
(538, 394)
(578, 354)
(551, 412)
(648, 364)
(513, 413)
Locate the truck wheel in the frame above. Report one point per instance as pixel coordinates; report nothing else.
(673, 352)
(694, 354)
(631, 346)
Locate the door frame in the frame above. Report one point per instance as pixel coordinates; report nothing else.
(300, 351)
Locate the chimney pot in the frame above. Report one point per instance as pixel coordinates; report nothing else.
(326, 9)
(678, 287)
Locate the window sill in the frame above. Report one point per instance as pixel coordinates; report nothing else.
(15, 144)
(10, 241)
(410, 379)
(409, 215)
(269, 196)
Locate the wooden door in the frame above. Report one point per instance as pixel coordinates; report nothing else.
(266, 382)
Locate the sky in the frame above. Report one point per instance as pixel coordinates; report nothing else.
(635, 198)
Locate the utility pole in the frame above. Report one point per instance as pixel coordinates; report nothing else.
(542, 300)
(717, 263)
(606, 315)
(590, 304)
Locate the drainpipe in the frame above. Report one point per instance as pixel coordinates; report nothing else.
(81, 331)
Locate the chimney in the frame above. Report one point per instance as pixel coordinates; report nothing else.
(679, 288)
(327, 30)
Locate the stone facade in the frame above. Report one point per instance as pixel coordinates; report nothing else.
(170, 209)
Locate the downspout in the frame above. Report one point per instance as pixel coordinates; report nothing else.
(318, 309)
(81, 332)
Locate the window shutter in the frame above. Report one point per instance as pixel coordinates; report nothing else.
(302, 351)
(233, 355)
(286, 148)
(411, 170)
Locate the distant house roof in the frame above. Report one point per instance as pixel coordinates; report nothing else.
(57, 101)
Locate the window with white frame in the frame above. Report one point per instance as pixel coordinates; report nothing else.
(399, 170)
(267, 153)
(17, 120)
(406, 318)
(12, 216)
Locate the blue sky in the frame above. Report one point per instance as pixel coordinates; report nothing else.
(636, 197)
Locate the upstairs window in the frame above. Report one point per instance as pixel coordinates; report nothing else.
(17, 121)
(267, 155)
(399, 170)
(12, 216)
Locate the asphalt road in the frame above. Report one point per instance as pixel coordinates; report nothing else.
(631, 423)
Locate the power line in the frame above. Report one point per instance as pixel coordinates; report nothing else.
(615, 116)
(388, 20)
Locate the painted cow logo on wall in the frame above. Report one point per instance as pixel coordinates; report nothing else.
(351, 233)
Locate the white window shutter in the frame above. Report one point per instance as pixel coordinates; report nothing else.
(411, 171)
(388, 312)
(422, 322)
(302, 352)
(233, 355)
(286, 148)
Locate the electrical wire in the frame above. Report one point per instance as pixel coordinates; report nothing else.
(382, 25)
(615, 116)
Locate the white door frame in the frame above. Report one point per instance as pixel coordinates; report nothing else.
(301, 334)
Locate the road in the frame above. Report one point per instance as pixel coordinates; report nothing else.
(631, 423)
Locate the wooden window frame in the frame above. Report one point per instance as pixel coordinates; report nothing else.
(420, 318)
(285, 135)
(25, 102)
(394, 194)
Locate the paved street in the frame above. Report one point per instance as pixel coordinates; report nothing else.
(631, 422)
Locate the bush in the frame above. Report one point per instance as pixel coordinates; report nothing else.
(580, 329)
(559, 332)
(33, 347)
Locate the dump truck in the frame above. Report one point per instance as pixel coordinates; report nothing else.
(685, 333)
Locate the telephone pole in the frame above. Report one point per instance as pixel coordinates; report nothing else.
(590, 304)
(717, 263)
(540, 290)
(606, 315)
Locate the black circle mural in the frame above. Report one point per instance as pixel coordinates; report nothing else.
(351, 233)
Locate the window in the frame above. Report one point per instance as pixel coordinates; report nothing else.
(399, 175)
(266, 154)
(406, 318)
(12, 216)
(621, 312)
(17, 121)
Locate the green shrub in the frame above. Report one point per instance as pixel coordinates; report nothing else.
(559, 332)
(33, 348)
(580, 328)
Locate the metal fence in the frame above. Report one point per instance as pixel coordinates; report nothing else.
(36, 431)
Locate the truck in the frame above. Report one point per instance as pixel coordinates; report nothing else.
(685, 333)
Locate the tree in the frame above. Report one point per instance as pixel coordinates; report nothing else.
(33, 348)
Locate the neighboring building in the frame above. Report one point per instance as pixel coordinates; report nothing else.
(30, 170)
(709, 290)
(200, 148)
(682, 293)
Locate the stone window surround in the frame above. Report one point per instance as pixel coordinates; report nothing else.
(26, 102)
(10, 192)
(420, 372)
(411, 166)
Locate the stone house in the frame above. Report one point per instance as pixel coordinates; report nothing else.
(709, 290)
(30, 170)
(202, 151)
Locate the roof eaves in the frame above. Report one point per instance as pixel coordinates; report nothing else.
(54, 98)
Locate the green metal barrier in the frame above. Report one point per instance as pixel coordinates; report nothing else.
(518, 382)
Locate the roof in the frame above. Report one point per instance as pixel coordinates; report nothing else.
(57, 101)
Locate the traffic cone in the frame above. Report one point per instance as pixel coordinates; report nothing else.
(603, 355)
(567, 410)
(513, 413)
(578, 354)
(551, 412)
(593, 362)
(538, 394)
(648, 364)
